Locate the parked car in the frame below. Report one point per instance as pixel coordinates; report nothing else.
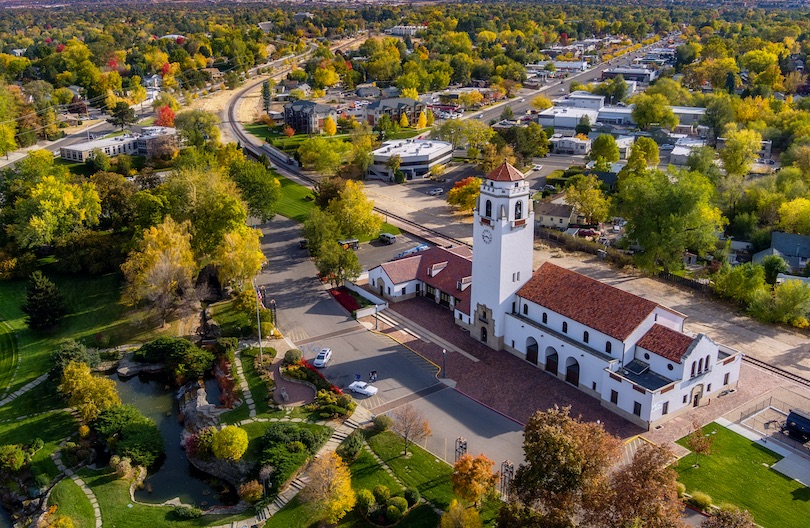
(667, 146)
(588, 233)
(388, 238)
(303, 243)
(438, 191)
(323, 357)
(361, 387)
(538, 167)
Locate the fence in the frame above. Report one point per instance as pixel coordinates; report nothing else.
(701, 286)
(766, 418)
(380, 304)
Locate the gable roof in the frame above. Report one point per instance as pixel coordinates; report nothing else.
(666, 342)
(790, 244)
(395, 103)
(505, 173)
(450, 265)
(309, 107)
(553, 209)
(606, 309)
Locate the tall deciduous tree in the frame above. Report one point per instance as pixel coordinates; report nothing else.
(473, 478)
(643, 155)
(410, 422)
(122, 115)
(329, 126)
(44, 304)
(668, 213)
(641, 493)
(586, 195)
(541, 102)
(259, 187)
(605, 148)
(239, 257)
(494, 156)
(740, 151)
(197, 127)
(161, 269)
(165, 116)
(464, 193)
(653, 110)
(330, 487)
(354, 212)
(323, 155)
(457, 516)
(321, 226)
(566, 471)
(337, 263)
(422, 121)
(89, 394)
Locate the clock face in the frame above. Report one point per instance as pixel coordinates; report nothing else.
(486, 236)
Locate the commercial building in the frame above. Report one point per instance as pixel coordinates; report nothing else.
(560, 66)
(630, 353)
(149, 143)
(416, 156)
(394, 108)
(570, 145)
(582, 99)
(307, 117)
(566, 117)
(641, 75)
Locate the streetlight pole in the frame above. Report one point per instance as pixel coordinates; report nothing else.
(258, 321)
(444, 363)
(376, 316)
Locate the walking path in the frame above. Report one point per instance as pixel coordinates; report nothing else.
(243, 384)
(22, 390)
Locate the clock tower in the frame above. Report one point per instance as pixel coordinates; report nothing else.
(503, 246)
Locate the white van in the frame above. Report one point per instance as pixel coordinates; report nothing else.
(388, 238)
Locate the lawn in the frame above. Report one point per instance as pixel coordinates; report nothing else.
(738, 472)
(76, 167)
(231, 321)
(117, 511)
(258, 389)
(296, 200)
(367, 473)
(421, 470)
(73, 503)
(52, 428)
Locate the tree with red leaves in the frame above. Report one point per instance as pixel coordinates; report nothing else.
(165, 116)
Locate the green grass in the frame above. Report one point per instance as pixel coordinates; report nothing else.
(232, 322)
(52, 428)
(73, 503)
(113, 499)
(43, 397)
(296, 200)
(75, 167)
(421, 470)
(258, 389)
(255, 431)
(738, 472)
(367, 473)
(9, 353)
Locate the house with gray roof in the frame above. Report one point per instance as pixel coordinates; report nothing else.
(394, 107)
(795, 249)
(307, 117)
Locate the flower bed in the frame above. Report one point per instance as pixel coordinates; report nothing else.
(304, 371)
(345, 299)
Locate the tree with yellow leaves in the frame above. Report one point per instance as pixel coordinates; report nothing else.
(541, 102)
(422, 121)
(89, 394)
(161, 269)
(239, 257)
(410, 93)
(403, 120)
(329, 126)
(354, 212)
(330, 487)
(457, 516)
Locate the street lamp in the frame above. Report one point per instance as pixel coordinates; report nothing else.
(258, 321)
(444, 363)
(376, 316)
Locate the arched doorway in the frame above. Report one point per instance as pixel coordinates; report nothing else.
(531, 350)
(697, 394)
(551, 360)
(483, 334)
(572, 371)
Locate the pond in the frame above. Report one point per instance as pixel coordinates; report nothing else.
(175, 476)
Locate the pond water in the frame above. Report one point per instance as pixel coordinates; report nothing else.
(175, 476)
(5, 519)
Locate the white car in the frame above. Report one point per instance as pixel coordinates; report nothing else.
(438, 191)
(361, 387)
(323, 357)
(538, 167)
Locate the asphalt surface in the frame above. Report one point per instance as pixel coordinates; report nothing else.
(312, 319)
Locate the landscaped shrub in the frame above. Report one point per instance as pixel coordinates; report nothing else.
(251, 492)
(350, 447)
(230, 443)
(285, 433)
(296, 447)
(381, 493)
(365, 501)
(123, 469)
(69, 350)
(12, 457)
(286, 464)
(183, 513)
(681, 490)
(141, 442)
(383, 422)
(184, 358)
(411, 495)
(393, 514)
(292, 356)
(199, 444)
(399, 502)
(700, 500)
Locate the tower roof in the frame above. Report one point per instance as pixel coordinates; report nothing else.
(505, 173)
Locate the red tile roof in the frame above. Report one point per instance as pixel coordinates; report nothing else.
(505, 173)
(666, 342)
(600, 306)
(446, 280)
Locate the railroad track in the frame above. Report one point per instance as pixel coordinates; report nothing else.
(776, 370)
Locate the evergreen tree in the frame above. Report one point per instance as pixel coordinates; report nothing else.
(44, 304)
(267, 96)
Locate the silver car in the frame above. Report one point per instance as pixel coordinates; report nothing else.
(361, 387)
(323, 357)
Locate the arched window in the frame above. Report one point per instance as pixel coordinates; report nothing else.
(565, 327)
(488, 209)
(608, 347)
(700, 366)
(707, 363)
(525, 309)
(694, 365)
(518, 210)
(585, 337)
(545, 318)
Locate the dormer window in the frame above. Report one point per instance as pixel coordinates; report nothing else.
(488, 209)
(565, 327)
